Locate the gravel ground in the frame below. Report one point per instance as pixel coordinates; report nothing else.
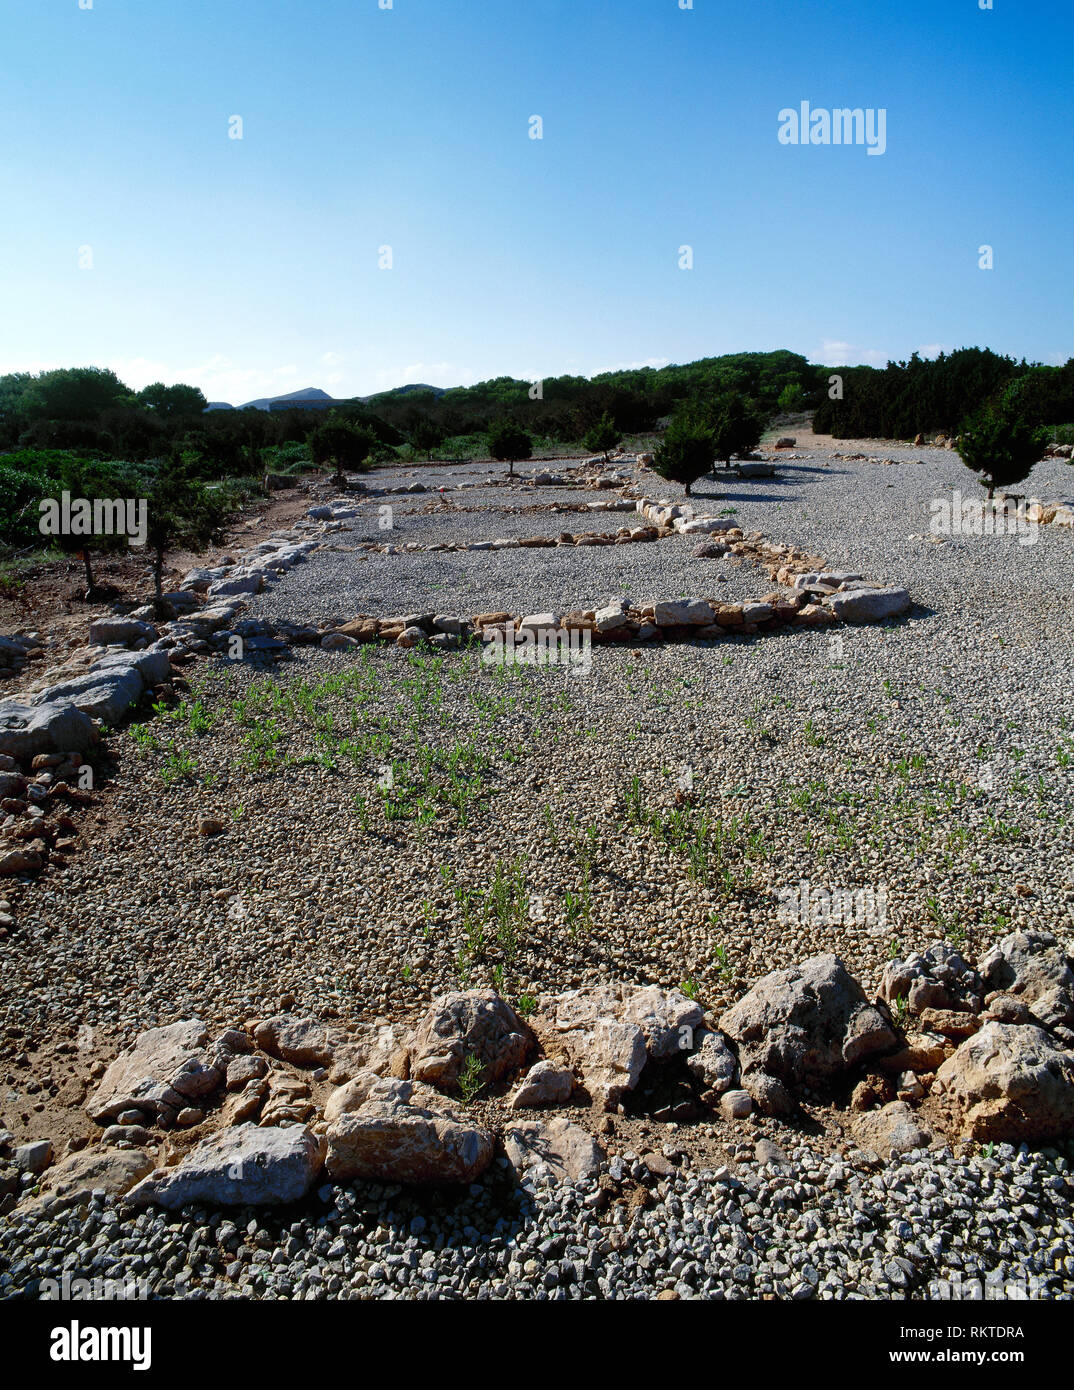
(929, 1225)
(928, 761)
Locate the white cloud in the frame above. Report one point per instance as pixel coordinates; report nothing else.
(431, 373)
(834, 353)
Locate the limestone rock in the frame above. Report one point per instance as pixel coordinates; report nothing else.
(388, 1141)
(892, 1128)
(614, 1059)
(20, 859)
(164, 1070)
(303, 1041)
(936, 978)
(1010, 1083)
(769, 1095)
(1034, 968)
(869, 605)
(242, 1166)
(367, 1085)
(546, 1083)
(736, 1105)
(471, 1023)
(668, 1018)
(52, 727)
(808, 1023)
(682, 612)
(563, 1148)
(106, 632)
(714, 1064)
(73, 1180)
(34, 1157)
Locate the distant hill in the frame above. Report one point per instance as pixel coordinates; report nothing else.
(407, 391)
(313, 398)
(316, 398)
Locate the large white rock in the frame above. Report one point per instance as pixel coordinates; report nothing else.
(704, 525)
(614, 1059)
(683, 612)
(668, 1018)
(558, 1147)
(237, 583)
(714, 1064)
(164, 1071)
(49, 727)
(388, 1141)
(118, 631)
(546, 1083)
(869, 605)
(807, 1023)
(1010, 1083)
(242, 1166)
(108, 689)
(609, 618)
(894, 1128)
(73, 1181)
(474, 1023)
(1035, 968)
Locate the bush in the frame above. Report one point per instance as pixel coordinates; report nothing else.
(181, 512)
(735, 428)
(1001, 445)
(338, 442)
(603, 437)
(21, 489)
(509, 442)
(688, 450)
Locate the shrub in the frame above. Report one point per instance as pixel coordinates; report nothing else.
(603, 437)
(21, 489)
(735, 428)
(346, 445)
(1000, 445)
(181, 511)
(509, 442)
(688, 450)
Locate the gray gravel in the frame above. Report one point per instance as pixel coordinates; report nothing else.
(930, 1225)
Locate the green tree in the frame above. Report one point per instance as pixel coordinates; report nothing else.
(181, 511)
(688, 450)
(95, 480)
(13, 389)
(425, 436)
(603, 437)
(508, 442)
(170, 401)
(735, 428)
(345, 445)
(1000, 444)
(74, 393)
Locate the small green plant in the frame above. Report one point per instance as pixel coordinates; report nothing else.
(471, 1078)
(724, 969)
(178, 766)
(809, 732)
(689, 988)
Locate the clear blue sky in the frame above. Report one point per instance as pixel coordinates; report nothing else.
(251, 267)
